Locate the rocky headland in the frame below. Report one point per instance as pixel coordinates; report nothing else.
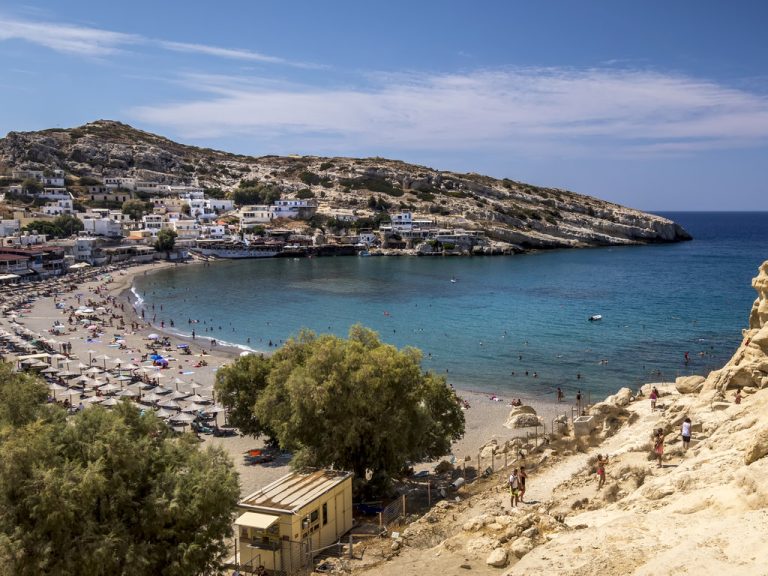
(513, 214)
(705, 511)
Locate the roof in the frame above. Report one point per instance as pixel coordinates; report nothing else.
(13, 257)
(294, 491)
(256, 520)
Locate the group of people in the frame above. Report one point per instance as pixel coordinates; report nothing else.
(516, 483)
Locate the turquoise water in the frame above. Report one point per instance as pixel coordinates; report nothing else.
(504, 315)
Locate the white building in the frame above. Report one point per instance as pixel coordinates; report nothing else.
(9, 227)
(153, 223)
(185, 229)
(58, 207)
(101, 225)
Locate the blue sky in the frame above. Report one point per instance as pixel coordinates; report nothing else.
(658, 105)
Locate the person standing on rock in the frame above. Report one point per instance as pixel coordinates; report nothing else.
(658, 445)
(521, 478)
(514, 488)
(601, 470)
(737, 398)
(654, 396)
(685, 432)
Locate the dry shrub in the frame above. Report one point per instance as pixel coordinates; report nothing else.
(611, 492)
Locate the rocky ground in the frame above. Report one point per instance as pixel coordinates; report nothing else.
(705, 511)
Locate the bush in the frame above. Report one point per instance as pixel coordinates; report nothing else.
(326, 165)
(305, 193)
(309, 178)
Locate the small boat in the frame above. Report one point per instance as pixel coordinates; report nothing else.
(453, 280)
(595, 318)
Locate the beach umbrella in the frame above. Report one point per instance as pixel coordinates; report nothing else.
(152, 397)
(68, 373)
(93, 399)
(49, 370)
(186, 418)
(117, 362)
(123, 378)
(81, 366)
(198, 398)
(194, 408)
(163, 413)
(161, 390)
(94, 370)
(109, 388)
(130, 366)
(171, 404)
(90, 356)
(127, 393)
(105, 358)
(110, 402)
(177, 395)
(56, 388)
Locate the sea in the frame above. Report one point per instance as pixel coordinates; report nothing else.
(505, 325)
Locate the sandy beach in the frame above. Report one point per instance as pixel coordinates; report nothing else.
(110, 292)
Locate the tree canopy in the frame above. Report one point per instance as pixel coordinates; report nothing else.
(254, 192)
(135, 209)
(355, 404)
(106, 492)
(62, 226)
(166, 240)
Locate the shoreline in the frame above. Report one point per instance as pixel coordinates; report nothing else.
(484, 418)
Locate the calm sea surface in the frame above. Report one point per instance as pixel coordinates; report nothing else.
(504, 315)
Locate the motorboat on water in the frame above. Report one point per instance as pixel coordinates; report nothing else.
(595, 317)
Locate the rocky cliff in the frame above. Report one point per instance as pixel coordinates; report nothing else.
(518, 214)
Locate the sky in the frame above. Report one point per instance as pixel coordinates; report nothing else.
(656, 105)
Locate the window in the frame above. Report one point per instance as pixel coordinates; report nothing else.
(313, 516)
(325, 513)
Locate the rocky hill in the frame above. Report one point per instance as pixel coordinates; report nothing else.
(521, 215)
(704, 511)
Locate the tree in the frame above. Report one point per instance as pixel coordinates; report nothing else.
(354, 404)
(68, 224)
(238, 386)
(108, 493)
(166, 240)
(135, 209)
(31, 186)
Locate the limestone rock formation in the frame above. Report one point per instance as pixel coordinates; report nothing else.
(749, 365)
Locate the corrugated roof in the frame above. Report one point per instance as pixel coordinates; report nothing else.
(295, 490)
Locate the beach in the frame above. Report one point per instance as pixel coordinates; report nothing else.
(193, 374)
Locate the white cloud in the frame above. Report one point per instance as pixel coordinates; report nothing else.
(80, 40)
(511, 109)
(87, 41)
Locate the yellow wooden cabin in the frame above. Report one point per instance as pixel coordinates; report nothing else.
(281, 525)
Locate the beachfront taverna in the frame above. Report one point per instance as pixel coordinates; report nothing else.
(282, 524)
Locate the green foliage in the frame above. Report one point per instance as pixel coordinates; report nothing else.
(305, 193)
(355, 404)
(135, 209)
(111, 493)
(252, 192)
(21, 397)
(186, 209)
(238, 386)
(309, 178)
(166, 240)
(89, 181)
(62, 226)
(325, 165)
(216, 193)
(31, 186)
(372, 183)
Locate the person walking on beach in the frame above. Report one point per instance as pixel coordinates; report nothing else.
(685, 432)
(559, 394)
(578, 401)
(514, 488)
(654, 396)
(601, 462)
(658, 445)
